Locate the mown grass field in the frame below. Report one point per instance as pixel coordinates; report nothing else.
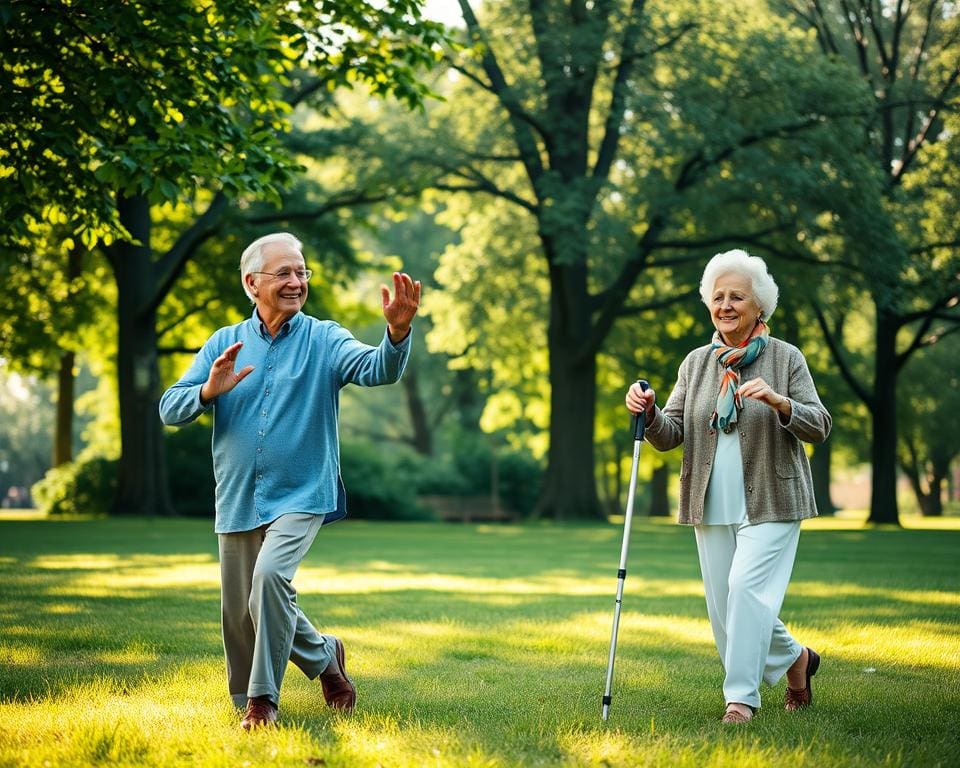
(471, 646)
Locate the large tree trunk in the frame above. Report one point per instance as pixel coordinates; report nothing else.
(931, 504)
(422, 431)
(63, 436)
(659, 499)
(142, 480)
(820, 466)
(883, 412)
(569, 486)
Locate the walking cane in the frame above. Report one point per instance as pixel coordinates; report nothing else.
(639, 424)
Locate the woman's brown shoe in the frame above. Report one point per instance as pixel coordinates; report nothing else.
(798, 699)
(736, 716)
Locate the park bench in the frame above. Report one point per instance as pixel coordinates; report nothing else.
(468, 509)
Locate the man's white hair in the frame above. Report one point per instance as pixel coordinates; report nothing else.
(252, 258)
(738, 262)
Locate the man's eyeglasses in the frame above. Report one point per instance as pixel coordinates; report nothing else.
(286, 274)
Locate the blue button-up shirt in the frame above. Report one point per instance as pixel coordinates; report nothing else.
(275, 442)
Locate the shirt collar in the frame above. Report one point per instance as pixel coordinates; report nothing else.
(287, 328)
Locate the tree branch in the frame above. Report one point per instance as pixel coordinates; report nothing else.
(488, 188)
(935, 246)
(692, 169)
(618, 95)
(177, 350)
(168, 268)
(710, 242)
(845, 370)
(520, 119)
(655, 305)
(915, 144)
(161, 332)
(615, 296)
(350, 199)
(918, 56)
(916, 343)
(887, 61)
(859, 42)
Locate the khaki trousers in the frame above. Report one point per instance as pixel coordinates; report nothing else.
(746, 569)
(263, 627)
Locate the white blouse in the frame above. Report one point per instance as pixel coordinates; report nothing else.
(726, 502)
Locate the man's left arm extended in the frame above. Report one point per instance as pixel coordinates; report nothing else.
(358, 363)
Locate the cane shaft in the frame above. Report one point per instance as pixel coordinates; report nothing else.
(621, 577)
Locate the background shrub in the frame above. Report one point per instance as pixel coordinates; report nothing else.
(78, 487)
(382, 481)
(190, 469)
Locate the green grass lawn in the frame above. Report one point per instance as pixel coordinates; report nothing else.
(471, 646)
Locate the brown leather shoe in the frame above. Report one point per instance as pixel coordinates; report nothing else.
(338, 690)
(798, 699)
(260, 713)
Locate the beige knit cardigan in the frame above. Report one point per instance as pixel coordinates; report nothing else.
(776, 474)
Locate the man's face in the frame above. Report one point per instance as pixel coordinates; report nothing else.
(279, 297)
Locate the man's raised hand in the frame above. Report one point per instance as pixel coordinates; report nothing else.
(399, 310)
(222, 376)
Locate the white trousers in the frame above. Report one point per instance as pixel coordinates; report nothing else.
(746, 569)
(263, 627)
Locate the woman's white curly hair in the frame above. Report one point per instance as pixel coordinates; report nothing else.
(738, 262)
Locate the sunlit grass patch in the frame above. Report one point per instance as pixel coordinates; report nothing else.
(470, 646)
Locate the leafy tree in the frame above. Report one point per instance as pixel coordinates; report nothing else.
(43, 331)
(929, 427)
(906, 53)
(194, 114)
(607, 147)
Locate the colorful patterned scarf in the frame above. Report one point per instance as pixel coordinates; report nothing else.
(733, 359)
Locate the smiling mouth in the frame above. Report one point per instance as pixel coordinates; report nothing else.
(290, 295)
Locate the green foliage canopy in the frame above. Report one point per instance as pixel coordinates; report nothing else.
(159, 97)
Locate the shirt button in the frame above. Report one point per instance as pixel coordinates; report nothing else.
(263, 413)
(267, 392)
(259, 477)
(260, 434)
(750, 488)
(259, 450)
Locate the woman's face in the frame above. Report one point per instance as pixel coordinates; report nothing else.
(733, 308)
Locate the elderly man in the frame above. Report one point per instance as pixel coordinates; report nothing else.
(273, 383)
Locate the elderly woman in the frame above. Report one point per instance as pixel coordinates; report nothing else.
(743, 406)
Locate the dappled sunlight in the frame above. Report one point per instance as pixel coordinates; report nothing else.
(134, 655)
(105, 561)
(19, 655)
(882, 647)
(362, 581)
(585, 633)
(604, 747)
(835, 591)
(106, 575)
(378, 740)
(62, 609)
(856, 520)
(382, 576)
(390, 648)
